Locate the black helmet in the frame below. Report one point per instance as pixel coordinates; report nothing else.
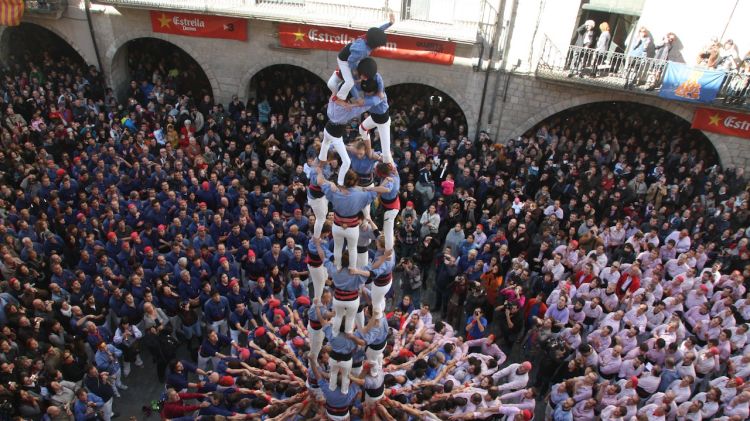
(376, 37)
(367, 67)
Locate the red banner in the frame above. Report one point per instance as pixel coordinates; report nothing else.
(398, 47)
(723, 122)
(204, 26)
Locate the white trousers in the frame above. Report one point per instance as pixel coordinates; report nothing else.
(375, 357)
(384, 131)
(320, 210)
(378, 299)
(351, 235)
(334, 81)
(356, 370)
(318, 275)
(316, 341)
(366, 210)
(107, 410)
(342, 368)
(343, 309)
(338, 144)
(338, 417)
(362, 259)
(360, 319)
(389, 222)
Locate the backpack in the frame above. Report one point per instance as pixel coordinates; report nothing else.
(168, 344)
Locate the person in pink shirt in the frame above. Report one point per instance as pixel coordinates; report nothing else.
(448, 185)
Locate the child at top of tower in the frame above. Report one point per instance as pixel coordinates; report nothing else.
(350, 56)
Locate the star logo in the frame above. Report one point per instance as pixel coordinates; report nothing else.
(164, 21)
(299, 35)
(714, 120)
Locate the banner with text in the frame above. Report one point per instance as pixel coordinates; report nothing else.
(723, 122)
(398, 47)
(204, 26)
(690, 84)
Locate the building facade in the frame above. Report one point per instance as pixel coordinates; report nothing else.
(502, 74)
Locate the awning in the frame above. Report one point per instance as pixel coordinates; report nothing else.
(623, 7)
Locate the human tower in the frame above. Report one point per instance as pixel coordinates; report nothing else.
(356, 343)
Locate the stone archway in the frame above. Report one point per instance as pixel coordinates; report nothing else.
(467, 107)
(27, 29)
(408, 94)
(117, 64)
(721, 144)
(320, 71)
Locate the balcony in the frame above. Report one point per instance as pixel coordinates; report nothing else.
(612, 70)
(455, 20)
(45, 8)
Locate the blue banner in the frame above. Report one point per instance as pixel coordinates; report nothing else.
(692, 84)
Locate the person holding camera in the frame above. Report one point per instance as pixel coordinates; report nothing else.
(510, 322)
(88, 407)
(100, 385)
(107, 360)
(476, 325)
(127, 339)
(411, 279)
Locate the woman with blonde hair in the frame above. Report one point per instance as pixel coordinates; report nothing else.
(602, 47)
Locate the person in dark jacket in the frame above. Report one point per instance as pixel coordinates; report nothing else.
(584, 40)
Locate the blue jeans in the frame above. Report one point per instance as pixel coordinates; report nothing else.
(190, 331)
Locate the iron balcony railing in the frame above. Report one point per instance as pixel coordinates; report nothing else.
(458, 20)
(735, 91)
(620, 71)
(45, 7)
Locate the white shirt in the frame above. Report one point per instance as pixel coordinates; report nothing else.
(680, 244)
(710, 408)
(513, 380)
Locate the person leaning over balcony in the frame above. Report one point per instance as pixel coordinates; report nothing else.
(602, 46)
(643, 48)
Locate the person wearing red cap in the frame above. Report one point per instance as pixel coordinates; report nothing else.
(239, 320)
(515, 376)
(706, 363)
(728, 386)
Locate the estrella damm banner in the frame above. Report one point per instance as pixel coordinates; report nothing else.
(690, 83)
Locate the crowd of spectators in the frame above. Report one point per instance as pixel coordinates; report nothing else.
(607, 245)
